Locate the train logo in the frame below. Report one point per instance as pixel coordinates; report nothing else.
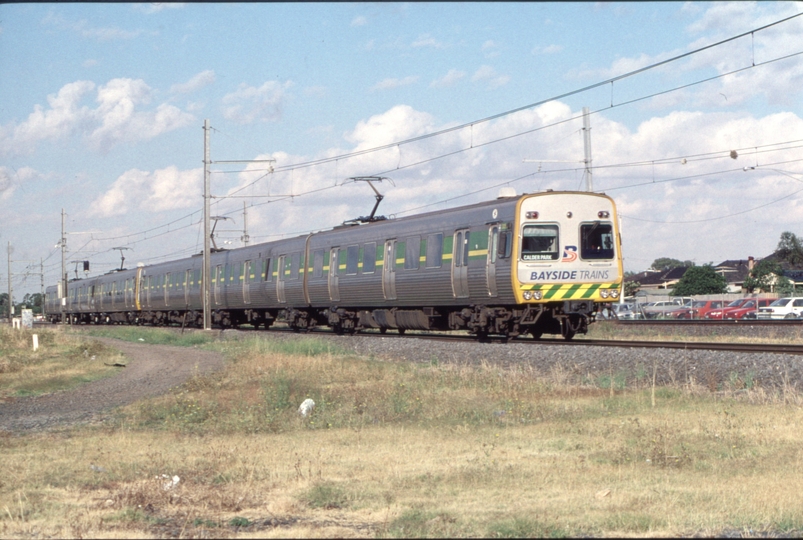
(569, 254)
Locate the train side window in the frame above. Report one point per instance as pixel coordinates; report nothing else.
(434, 250)
(317, 263)
(352, 259)
(369, 258)
(412, 253)
(505, 244)
(293, 267)
(466, 248)
(539, 243)
(596, 241)
(493, 244)
(266, 270)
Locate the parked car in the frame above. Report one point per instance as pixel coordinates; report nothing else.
(697, 310)
(782, 308)
(748, 310)
(717, 313)
(657, 310)
(627, 311)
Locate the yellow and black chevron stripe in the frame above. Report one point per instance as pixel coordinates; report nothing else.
(572, 291)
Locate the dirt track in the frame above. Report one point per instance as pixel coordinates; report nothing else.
(151, 370)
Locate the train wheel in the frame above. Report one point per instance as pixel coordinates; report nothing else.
(567, 329)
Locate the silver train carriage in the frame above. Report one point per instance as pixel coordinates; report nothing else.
(535, 263)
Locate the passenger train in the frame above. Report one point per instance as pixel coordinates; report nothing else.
(539, 263)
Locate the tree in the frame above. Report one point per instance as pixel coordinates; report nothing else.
(700, 280)
(631, 288)
(665, 263)
(764, 276)
(789, 248)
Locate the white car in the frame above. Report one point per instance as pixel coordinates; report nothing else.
(782, 308)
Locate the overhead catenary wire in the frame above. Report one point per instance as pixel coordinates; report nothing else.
(474, 144)
(500, 115)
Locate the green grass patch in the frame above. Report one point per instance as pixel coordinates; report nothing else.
(155, 336)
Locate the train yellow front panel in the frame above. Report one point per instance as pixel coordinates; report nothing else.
(567, 248)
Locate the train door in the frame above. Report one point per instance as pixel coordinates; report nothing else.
(280, 279)
(113, 294)
(137, 289)
(168, 284)
(389, 270)
(247, 282)
(334, 283)
(217, 279)
(187, 275)
(490, 264)
(460, 264)
(148, 286)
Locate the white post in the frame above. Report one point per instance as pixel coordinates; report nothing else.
(35, 342)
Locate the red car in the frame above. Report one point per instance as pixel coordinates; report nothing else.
(717, 313)
(748, 310)
(697, 310)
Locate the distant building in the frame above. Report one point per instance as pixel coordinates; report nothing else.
(654, 280)
(735, 272)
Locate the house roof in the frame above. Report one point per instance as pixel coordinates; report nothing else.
(654, 278)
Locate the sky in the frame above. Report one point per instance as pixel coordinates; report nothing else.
(697, 136)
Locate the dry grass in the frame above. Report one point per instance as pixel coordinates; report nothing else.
(62, 361)
(395, 450)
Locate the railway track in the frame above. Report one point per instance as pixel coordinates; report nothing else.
(779, 348)
(779, 323)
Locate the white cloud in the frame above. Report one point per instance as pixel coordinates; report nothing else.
(202, 79)
(426, 40)
(89, 63)
(250, 104)
(391, 83)
(448, 80)
(121, 122)
(489, 75)
(359, 21)
(490, 49)
(695, 195)
(6, 184)
(316, 91)
(116, 119)
(156, 7)
(549, 49)
(163, 189)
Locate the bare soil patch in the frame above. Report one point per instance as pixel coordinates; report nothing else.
(151, 370)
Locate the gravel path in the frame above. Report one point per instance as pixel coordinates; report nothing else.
(151, 370)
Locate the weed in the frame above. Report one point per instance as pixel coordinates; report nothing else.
(326, 495)
(523, 528)
(239, 521)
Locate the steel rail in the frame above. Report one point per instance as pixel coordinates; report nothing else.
(707, 322)
(774, 348)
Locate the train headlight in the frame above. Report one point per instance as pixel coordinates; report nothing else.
(538, 295)
(528, 295)
(604, 293)
(603, 214)
(615, 293)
